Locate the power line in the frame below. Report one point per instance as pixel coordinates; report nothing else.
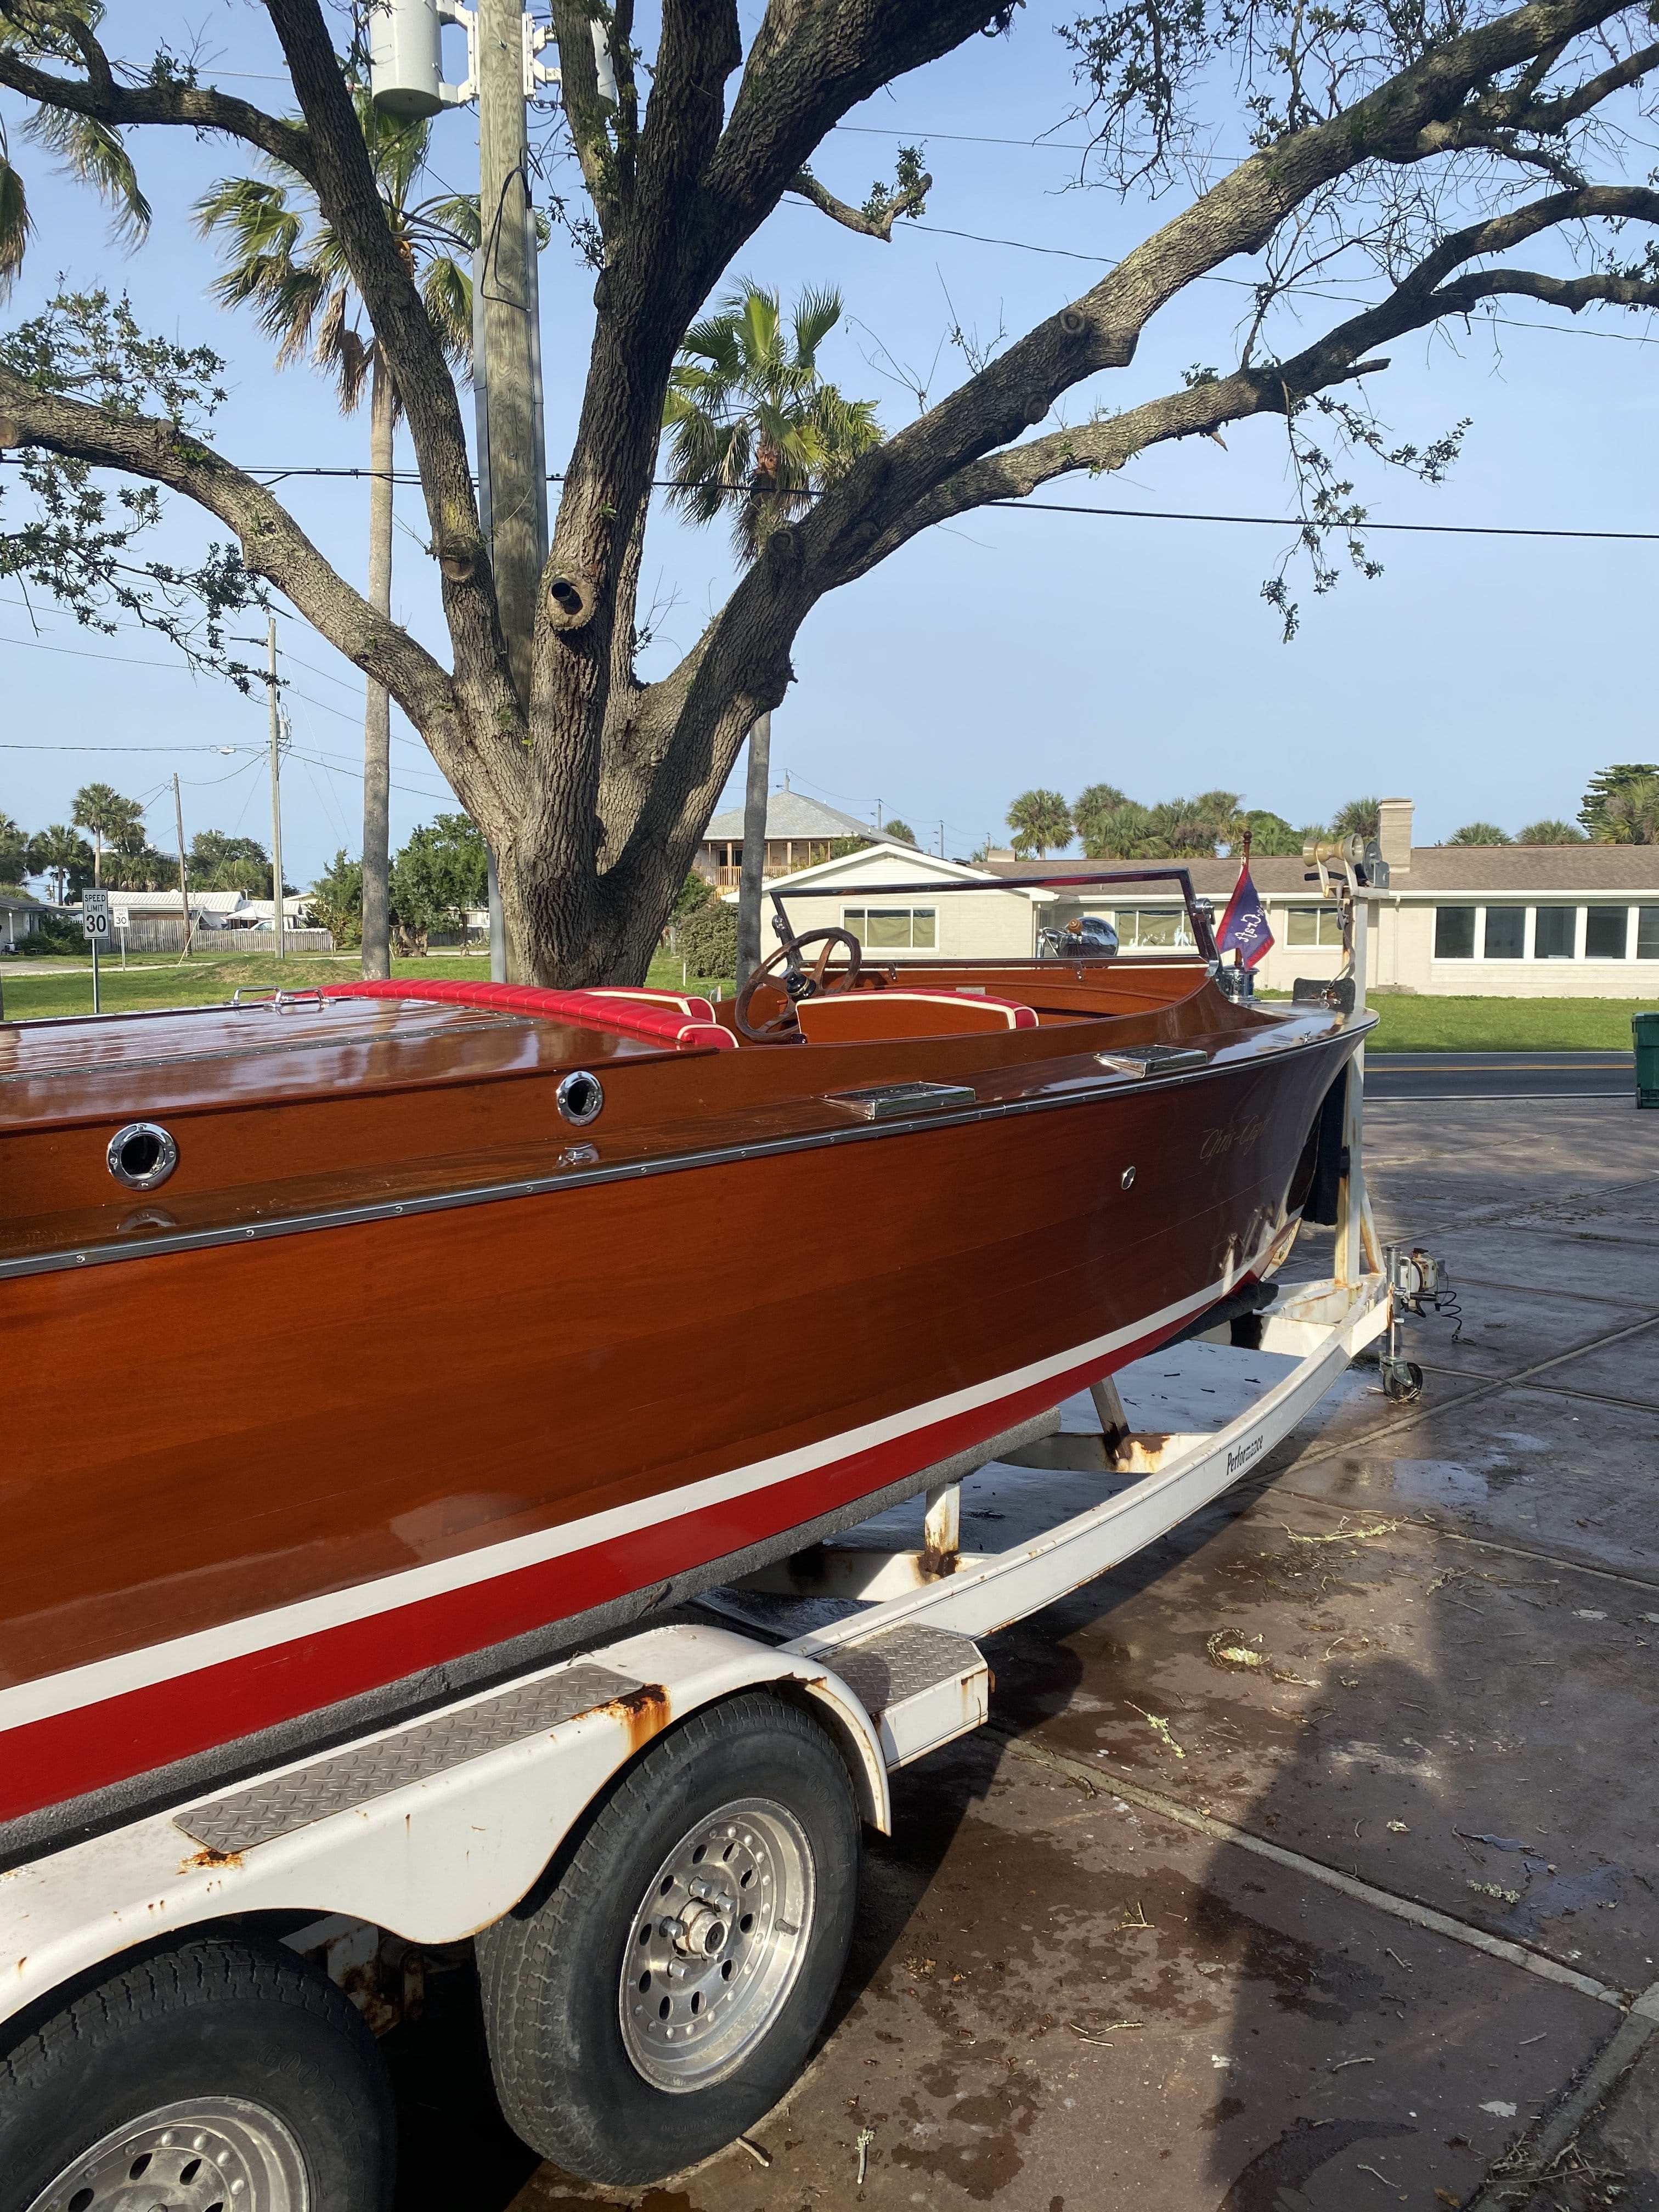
(1294, 522)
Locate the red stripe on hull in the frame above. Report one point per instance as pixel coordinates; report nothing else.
(68, 1754)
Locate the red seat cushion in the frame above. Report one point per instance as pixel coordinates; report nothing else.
(666, 1019)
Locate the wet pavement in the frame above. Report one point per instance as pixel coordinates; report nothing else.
(1425, 1076)
(1309, 1861)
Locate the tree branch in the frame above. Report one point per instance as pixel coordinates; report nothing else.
(343, 181)
(911, 197)
(1203, 408)
(275, 548)
(105, 100)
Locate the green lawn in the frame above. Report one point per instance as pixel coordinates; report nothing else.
(1410, 1023)
(31, 995)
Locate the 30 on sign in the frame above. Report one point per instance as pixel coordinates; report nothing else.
(95, 914)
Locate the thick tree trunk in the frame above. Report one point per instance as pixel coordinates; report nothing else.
(377, 710)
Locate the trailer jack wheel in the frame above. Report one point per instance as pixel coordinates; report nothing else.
(660, 1989)
(1402, 1379)
(206, 2073)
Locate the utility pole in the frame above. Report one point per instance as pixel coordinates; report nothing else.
(407, 79)
(183, 891)
(275, 790)
(754, 849)
(511, 463)
(377, 702)
(506, 363)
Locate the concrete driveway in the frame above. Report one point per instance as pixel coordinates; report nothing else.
(1309, 1863)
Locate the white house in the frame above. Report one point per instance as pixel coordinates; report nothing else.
(911, 922)
(1509, 922)
(1577, 921)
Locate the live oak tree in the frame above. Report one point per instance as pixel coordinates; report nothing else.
(1452, 153)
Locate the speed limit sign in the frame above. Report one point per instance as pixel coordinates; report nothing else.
(94, 916)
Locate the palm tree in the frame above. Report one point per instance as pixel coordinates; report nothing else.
(1550, 832)
(753, 429)
(59, 854)
(1038, 820)
(14, 851)
(1360, 817)
(101, 809)
(1630, 815)
(1480, 833)
(91, 151)
(285, 262)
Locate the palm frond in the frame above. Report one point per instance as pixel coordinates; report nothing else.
(453, 217)
(342, 349)
(446, 289)
(97, 154)
(816, 314)
(16, 221)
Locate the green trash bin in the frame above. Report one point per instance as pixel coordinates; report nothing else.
(1646, 1028)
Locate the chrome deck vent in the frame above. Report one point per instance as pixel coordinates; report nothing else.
(141, 1156)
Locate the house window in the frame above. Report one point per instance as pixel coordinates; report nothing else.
(1605, 931)
(893, 928)
(1506, 932)
(1314, 925)
(1647, 932)
(1153, 929)
(1454, 932)
(1555, 936)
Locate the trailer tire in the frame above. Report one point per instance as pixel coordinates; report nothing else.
(584, 2052)
(220, 2068)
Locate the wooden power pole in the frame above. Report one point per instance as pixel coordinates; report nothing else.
(276, 791)
(506, 359)
(754, 849)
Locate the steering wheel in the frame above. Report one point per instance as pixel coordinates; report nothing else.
(812, 979)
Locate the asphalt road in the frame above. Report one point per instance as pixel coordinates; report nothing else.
(1431, 1075)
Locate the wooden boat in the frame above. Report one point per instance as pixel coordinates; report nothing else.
(364, 1345)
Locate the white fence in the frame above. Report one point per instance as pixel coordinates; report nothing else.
(153, 933)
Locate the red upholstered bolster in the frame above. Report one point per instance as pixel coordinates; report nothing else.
(690, 1004)
(669, 1020)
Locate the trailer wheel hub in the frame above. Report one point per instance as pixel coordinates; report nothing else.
(187, 2157)
(717, 1944)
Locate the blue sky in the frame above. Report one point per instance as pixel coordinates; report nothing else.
(1484, 678)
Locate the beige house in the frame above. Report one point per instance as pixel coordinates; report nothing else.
(1505, 921)
(855, 893)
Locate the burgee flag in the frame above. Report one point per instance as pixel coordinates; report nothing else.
(1244, 925)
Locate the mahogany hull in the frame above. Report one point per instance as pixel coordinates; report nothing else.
(268, 1479)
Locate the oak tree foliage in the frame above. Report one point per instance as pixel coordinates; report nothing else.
(1442, 158)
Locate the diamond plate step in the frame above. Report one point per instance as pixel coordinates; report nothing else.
(336, 1784)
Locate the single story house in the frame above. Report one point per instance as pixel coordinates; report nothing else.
(213, 910)
(1507, 922)
(854, 892)
(799, 832)
(1471, 920)
(20, 916)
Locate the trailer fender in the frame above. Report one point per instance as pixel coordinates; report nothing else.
(431, 1831)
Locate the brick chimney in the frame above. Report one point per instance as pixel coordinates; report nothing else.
(1395, 836)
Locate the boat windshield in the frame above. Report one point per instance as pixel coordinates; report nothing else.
(1149, 914)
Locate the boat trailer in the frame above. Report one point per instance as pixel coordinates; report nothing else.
(378, 1861)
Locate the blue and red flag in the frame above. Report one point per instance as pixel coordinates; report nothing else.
(1244, 928)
